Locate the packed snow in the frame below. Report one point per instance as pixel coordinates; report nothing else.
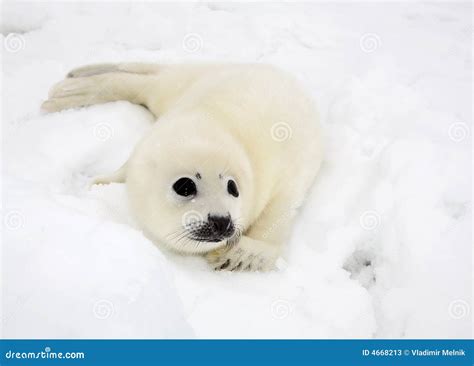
(381, 249)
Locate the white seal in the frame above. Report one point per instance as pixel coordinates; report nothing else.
(232, 156)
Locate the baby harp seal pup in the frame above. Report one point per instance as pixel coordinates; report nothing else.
(231, 157)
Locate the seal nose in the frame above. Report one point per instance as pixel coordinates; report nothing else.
(221, 225)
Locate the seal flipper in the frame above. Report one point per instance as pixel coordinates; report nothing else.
(119, 176)
(97, 69)
(91, 70)
(77, 92)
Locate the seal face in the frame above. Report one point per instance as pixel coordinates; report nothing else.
(191, 197)
(231, 157)
(215, 227)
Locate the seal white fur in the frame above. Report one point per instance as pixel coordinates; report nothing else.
(252, 123)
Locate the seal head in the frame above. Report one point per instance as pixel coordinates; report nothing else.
(191, 194)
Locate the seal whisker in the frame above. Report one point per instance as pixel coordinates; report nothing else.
(173, 235)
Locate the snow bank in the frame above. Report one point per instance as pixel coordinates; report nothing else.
(383, 247)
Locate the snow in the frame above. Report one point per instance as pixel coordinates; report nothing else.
(383, 247)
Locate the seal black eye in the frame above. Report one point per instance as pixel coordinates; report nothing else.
(232, 188)
(185, 187)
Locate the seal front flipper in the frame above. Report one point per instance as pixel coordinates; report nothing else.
(248, 255)
(119, 176)
(261, 245)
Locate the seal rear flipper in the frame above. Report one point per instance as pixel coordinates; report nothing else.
(90, 70)
(97, 69)
(97, 89)
(119, 176)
